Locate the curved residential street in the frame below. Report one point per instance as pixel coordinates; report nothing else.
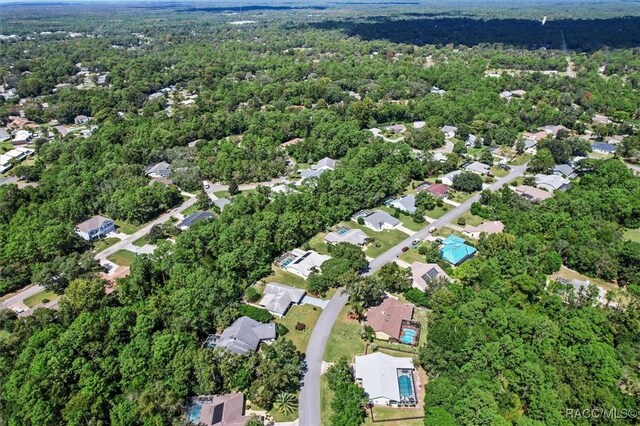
(309, 407)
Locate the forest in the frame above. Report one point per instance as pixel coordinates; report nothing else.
(501, 348)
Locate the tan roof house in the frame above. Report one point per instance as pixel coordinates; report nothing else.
(386, 318)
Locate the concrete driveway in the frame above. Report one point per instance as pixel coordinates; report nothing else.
(314, 301)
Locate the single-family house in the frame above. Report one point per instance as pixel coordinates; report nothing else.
(244, 335)
(437, 91)
(217, 410)
(439, 190)
(535, 136)
(493, 227)
(449, 131)
(419, 124)
(319, 168)
(406, 204)
(423, 273)
(277, 298)
(190, 220)
(604, 148)
(448, 178)
(396, 128)
(554, 129)
(345, 234)
(532, 193)
(478, 168)
(301, 262)
(81, 119)
(601, 119)
(16, 122)
(386, 380)
(159, 170)
(21, 137)
(552, 182)
(377, 220)
(455, 250)
(530, 146)
(96, 227)
(564, 170)
(221, 203)
(471, 141)
(386, 318)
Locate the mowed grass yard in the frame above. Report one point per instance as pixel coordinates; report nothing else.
(632, 235)
(344, 339)
(39, 298)
(305, 314)
(104, 244)
(283, 277)
(127, 228)
(385, 239)
(122, 258)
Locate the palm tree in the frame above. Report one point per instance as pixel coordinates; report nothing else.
(286, 403)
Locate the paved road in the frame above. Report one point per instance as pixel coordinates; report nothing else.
(18, 298)
(310, 394)
(145, 230)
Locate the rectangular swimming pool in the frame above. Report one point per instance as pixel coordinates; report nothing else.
(409, 333)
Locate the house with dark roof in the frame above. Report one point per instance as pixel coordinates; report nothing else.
(189, 221)
(96, 227)
(604, 148)
(244, 335)
(423, 273)
(386, 318)
(217, 410)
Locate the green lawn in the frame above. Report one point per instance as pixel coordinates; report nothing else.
(317, 243)
(306, 314)
(398, 414)
(471, 219)
(104, 244)
(411, 256)
(521, 159)
(221, 194)
(633, 235)
(326, 396)
(407, 220)
(498, 172)
(344, 339)
(5, 146)
(190, 210)
(385, 239)
(122, 257)
(127, 228)
(39, 298)
(283, 277)
(142, 241)
(459, 197)
(445, 232)
(438, 212)
(4, 335)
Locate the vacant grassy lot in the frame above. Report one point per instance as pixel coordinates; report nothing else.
(521, 159)
(122, 257)
(104, 244)
(126, 228)
(283, 277)
(142, 241)
(444, 232)
(190, 210)
(498, 172)
(633, 235)
(471, 219)
(390, 414)
(39, 298)
(317, 243)
(344, 339)
(411, 256)
(438, 212)
(460, 197)
(307, 315)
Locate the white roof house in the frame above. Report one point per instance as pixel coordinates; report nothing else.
(448, 178)
(319, 168)
(21, 137)
(449, 131)
(278, 298)
(346, 235)
(382, 376)
(493, 227)
(406, 204)
(378, 220)
(478, 168)
(302, 263)
(551, 182)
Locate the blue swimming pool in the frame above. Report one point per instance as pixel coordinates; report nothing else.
(405, 386)
(408, 336)
(193, 413)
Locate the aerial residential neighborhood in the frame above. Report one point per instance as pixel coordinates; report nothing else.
(318, 213)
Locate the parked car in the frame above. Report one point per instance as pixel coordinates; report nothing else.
(433, 229)
(405, 249)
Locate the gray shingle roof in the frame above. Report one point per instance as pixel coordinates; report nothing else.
(196, 217)
(245, 334)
